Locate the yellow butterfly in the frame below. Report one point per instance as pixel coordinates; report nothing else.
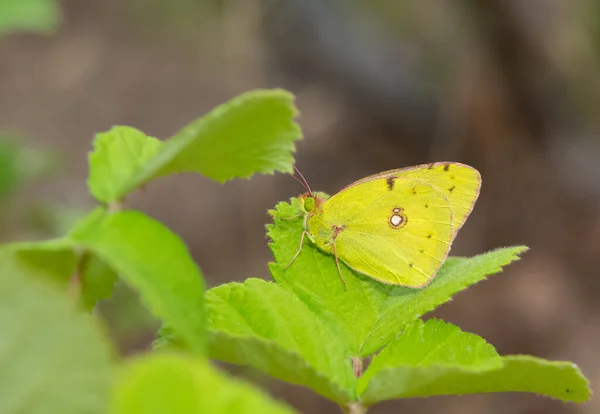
(396, 226)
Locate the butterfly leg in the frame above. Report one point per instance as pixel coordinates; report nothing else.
(337, 263)
(299, 250)
(293, 217)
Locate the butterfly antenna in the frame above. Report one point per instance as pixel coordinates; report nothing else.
(300, 181)
(303, 182)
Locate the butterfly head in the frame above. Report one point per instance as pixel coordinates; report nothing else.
(311, 202)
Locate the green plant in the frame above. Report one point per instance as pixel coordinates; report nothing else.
(29, 15)
(302, 328)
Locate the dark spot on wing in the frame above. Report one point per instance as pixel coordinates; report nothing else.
(427, 205)
(390, 183)
(421, 251)
(568, 391)
(452, 177)
(414, 190)
(411, 264)
(452, 188)
(446, 167)
(429, 235)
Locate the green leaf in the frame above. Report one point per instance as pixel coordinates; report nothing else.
(50, 260)
(52, 359)
(18, 163)
(118, 156)
(29, 15)
(153, 260)
(252, 133)
(259, 324)
(168, 339)
(97, 281)
(437, 358)
(369, 314)
(57, 260)
(176, 384)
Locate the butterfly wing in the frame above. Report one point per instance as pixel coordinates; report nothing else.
(460, 183)
(397, 231)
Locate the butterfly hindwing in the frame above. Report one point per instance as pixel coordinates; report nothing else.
(395, 229)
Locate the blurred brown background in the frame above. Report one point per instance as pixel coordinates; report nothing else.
(508, 86)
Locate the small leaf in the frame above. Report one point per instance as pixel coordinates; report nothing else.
(118, 156)
(97, 281)
(435, 343)
(369, 313)
(252, 133)
(167, 339)
(52, 359)
(18, 163)
(519, 373)
(153, 260)
(437, 358)
(29, 15)
(259, 324)
(176, 384)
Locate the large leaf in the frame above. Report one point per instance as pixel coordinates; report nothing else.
(369, 313)
(28, 15)
(252, 133)
(258, 323)
(52, 359)
(437, 358)
(176, 384)
(151, 259)
(154, 261)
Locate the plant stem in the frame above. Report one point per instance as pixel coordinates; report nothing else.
(354, 408)
(76, 281)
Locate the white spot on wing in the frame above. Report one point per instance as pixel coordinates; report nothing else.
(396, 220)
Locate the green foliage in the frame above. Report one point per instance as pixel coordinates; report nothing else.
(302, 328)
(308, 322)
(260, 324)
(154, 261)
(52, 359)
(176, 384)
(252, 133)
(19, 164)
(29, 15)
(369, 314)
(437, 358)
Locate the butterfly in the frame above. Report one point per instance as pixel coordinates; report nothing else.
(397, 226)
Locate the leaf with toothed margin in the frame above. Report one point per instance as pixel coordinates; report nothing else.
(252, 133)
(437, 358)
(257, 323)
(369, 314)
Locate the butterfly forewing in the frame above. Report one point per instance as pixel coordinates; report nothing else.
(397, 230)
(460, 184)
